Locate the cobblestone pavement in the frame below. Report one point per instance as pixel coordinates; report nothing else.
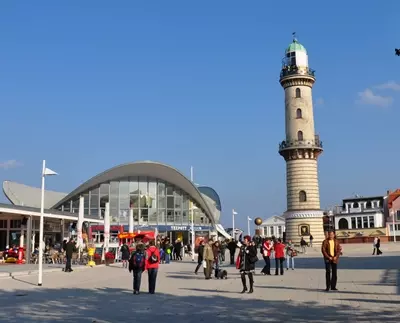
(368, 292)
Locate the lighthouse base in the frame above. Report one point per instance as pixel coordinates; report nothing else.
(303, 223)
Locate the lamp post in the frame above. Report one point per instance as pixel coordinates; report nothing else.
(192, 216)
(233, 223)
(45, 172)
(248, 225)
(392, 213)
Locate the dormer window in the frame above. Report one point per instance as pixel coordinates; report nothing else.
(368, 205)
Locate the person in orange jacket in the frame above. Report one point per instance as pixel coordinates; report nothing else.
(151, 265)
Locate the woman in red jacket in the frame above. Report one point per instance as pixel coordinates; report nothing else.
(279, 248)
(151, 265)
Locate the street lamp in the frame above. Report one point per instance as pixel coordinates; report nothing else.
(233, 223)
(248, 225)
(45, 172)
(392, 213)
(192, 216)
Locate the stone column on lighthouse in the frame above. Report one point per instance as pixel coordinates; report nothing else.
(301, 148)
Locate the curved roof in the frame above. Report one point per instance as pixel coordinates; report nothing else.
(295, 46)
(212, 194)
(23, 195)
(145, 168)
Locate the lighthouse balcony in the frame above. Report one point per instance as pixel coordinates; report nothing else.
(288, 70)
(298, 144)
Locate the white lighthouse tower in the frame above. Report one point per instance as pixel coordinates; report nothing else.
(301, 148)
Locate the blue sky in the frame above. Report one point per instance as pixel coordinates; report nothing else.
(88, 85)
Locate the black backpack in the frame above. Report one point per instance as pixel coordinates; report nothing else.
(153, 259)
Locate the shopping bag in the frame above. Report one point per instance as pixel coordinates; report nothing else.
(204, 264)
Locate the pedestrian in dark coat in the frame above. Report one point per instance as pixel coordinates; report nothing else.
(199, 256)
(70, 248)
(246, 263)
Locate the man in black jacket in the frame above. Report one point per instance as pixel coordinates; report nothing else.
(199, 256)
(69, 250)
(232, 245)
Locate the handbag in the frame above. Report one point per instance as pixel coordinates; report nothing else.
(204, 264)
(294, 253)
(238, 262)
(253, 259)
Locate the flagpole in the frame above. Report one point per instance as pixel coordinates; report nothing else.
(248, 226)
(40, 278)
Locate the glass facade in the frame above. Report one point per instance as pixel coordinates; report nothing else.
(153, 202)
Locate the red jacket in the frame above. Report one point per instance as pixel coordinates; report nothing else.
(267, 246)
(279, 250)
(149, 252)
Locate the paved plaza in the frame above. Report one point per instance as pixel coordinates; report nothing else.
(368, 292)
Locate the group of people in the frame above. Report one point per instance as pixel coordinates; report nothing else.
(144, 257)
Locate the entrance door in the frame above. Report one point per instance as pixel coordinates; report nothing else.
(3, 240)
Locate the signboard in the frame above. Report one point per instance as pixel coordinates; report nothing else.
(163, 228)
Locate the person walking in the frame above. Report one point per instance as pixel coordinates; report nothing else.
(232, 245)
(247, 259)
(279, 248)
(331, 251)
(266, 252)
(199, 256)
(70, 248)
(124, 255)
(137, 264)
(311, 240)
(290, 254)
(378, 247)
(151, 265)
(216, 252)
(208, 258)
(303, 245)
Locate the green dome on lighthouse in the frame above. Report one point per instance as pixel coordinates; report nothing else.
(295, 46)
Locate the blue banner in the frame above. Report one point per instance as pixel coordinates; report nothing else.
(163, 228)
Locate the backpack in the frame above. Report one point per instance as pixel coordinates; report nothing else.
(136, 261)
(153, 259)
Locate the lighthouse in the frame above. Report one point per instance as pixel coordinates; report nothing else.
(301, 148)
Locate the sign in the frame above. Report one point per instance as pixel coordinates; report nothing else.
(164, 228)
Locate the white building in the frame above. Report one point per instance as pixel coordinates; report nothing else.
(360, 213)
(273, 226)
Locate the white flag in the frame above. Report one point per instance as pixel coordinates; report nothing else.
(248, 218)
(234, 212)
(49, 172)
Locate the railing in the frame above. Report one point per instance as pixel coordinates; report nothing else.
(300, 144)
(294, 70)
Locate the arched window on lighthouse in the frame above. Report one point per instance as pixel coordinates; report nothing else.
(298, 93)
(300, 135)
(302, 196)
(299, 114)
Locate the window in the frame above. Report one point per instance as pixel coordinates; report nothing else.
(299, 114)
(300, 135)
(365, 222)
(355, 205)
(298, 93)
(371, 221)
(280, 231)
(398, 215)
(343, 224)
(368, 205)
(272, 231)
(302, 196)
(353, 222)
(359, 222)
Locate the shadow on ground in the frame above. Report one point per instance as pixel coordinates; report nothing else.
(119, 305)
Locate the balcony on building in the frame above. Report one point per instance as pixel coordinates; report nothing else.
(293, 70)
(301, 144)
